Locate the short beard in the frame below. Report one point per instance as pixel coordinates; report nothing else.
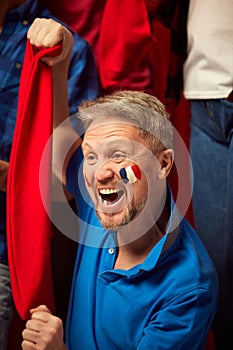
(131, 214)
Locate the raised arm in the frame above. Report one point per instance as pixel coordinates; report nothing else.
(45, 330)
(48, 33)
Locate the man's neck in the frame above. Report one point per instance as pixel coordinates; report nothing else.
(136, 251)
(5, 7)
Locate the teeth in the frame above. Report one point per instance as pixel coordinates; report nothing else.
(108, 191)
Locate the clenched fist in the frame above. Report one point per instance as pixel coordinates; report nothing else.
(43, 331)
(48, 33)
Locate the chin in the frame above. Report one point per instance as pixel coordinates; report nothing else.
(109, 221)
(114, 221)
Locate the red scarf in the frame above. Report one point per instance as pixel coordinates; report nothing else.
(29, 229)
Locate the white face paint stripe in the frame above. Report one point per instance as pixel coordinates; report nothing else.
(130, 175)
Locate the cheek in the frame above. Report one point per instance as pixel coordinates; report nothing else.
(87, 181)
(144, 186)
(88, 173)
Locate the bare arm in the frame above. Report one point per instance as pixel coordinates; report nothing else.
(48, 33)
(44, 330)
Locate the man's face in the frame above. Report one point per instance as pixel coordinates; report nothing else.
(107, 148)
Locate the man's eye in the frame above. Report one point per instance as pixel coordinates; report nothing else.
(118, 156)
(91, 158)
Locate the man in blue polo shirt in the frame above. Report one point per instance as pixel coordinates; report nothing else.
(143, 280)
(147, 282)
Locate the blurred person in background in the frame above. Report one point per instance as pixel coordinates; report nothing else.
(201, 65)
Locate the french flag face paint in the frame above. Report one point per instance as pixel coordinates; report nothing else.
(130, 173)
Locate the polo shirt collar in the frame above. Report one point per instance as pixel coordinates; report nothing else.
(167, 243)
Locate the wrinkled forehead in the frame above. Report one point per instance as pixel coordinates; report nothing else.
(110, 135)
(111, 131)
(112, 128)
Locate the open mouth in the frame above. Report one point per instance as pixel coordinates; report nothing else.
(110, 196)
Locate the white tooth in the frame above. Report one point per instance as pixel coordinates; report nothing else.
(108, 191)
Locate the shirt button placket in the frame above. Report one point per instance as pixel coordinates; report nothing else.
(111, 251)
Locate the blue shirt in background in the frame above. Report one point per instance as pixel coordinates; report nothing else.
(82, 82)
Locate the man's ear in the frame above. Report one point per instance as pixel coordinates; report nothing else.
(166, 159)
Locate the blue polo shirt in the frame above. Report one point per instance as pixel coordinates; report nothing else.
(167, 302)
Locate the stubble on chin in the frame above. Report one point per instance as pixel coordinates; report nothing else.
(110, 222)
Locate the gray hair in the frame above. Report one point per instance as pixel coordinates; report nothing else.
(139, 108)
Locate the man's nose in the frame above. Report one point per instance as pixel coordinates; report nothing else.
(105, 172)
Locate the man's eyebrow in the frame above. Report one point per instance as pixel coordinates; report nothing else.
(86, 145)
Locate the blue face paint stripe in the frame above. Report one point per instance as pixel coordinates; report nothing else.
(123, 175)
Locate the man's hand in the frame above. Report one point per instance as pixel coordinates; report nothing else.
(3, 175)
(43, 331)
(48, 33)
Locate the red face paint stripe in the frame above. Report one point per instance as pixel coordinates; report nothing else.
(136, 171)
